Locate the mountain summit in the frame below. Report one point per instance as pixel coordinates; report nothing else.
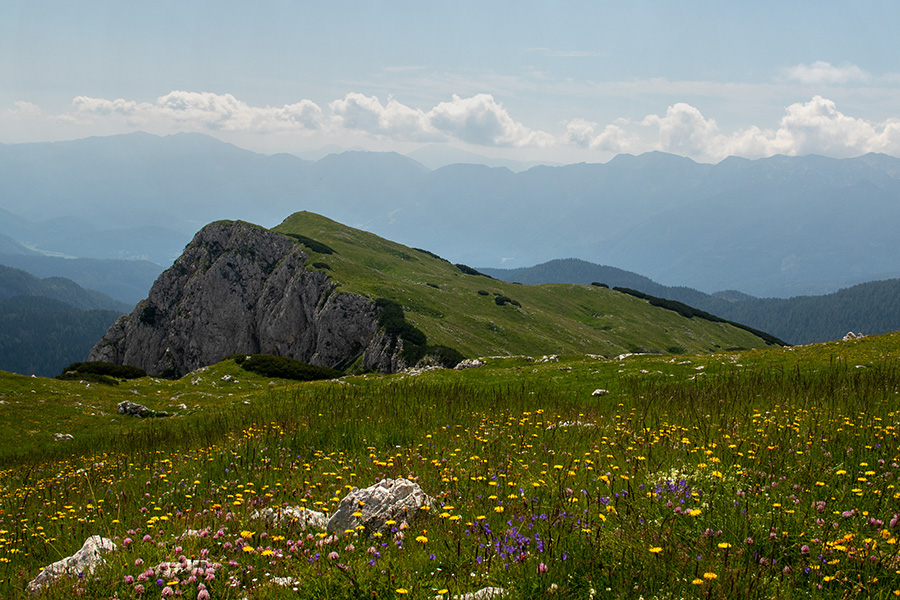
(317, 291)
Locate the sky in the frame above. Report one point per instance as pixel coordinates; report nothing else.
(555, 82)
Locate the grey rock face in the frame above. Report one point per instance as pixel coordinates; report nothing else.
(398, 500)
(300, 517)
(240, 288)
(82, 562)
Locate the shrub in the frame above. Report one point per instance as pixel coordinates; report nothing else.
(415, 343)
(282, 367)
(81, 369)
(312, 244)
(149, 315)
(321, 265)
(483, 293)
(598, 284)
(470, 271)
(501, 300)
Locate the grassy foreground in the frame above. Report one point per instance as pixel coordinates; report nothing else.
(755, 474)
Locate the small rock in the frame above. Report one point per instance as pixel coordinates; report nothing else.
(469, 363)
(599, 392)
(58, 437)
(82, 562)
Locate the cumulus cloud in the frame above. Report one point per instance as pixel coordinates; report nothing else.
(482, 120)
(206, 110)
(478, 120)
(812, 127)
(365, 113)
(821, 72)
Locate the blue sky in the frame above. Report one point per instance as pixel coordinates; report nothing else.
(549, 81)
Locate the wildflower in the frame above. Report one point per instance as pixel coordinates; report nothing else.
(655, 550)
(402, 591)
(422, 539)
(709, 576)
(542, 568)
(724, 545)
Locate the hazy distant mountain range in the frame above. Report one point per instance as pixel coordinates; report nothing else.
(47, 324)
(867, 308)
(780, 226)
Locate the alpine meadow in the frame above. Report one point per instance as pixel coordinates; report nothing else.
(396, 300)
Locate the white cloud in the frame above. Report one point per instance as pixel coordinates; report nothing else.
(821, 72)
(684, 130)
(482, 120)
(476, 120)
(815, 126)
(356, 111)
(206, 110)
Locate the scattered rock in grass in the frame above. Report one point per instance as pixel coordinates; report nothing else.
(133, 409)
(398, 500)
(469, 363)
(59, 437)
(293, 515)
(599, 392)
(852, 336)
(551, 358)
(82, 562)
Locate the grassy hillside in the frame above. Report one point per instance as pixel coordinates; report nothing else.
(759, 474)
(460, 310)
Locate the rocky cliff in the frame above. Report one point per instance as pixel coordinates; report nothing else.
(240, 288)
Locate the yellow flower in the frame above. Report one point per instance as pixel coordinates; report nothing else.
(694, 512)
(724, 545)
(709, 575)
(697, 581)
(422, 539)
(402, 591)
(656, 550)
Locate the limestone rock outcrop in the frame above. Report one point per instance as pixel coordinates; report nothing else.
(82, 562)
(240, 288)
(398, 500)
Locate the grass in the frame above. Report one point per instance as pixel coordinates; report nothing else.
(445, 303)
(759, 474)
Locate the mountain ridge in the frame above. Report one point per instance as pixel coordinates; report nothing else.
(776, 226)
(318, 291)
(861, 308)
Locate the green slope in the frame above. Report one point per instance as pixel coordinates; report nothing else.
(459, 310)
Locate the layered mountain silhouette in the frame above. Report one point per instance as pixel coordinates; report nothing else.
(780, 226)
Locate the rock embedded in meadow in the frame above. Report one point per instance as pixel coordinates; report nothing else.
(398, 500)
(82, 562)
(469, 363)
(59, 437)
(133, 409)
(599, 392)
(299, 516)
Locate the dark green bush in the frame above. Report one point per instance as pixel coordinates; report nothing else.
(470, 271)
(149, 315)
(598, 284)
(282, 367)
(483, 293)
(91, 377)
(501, 300)
(321, 265)
(81, 369)
(312, 244)
(415, 343)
